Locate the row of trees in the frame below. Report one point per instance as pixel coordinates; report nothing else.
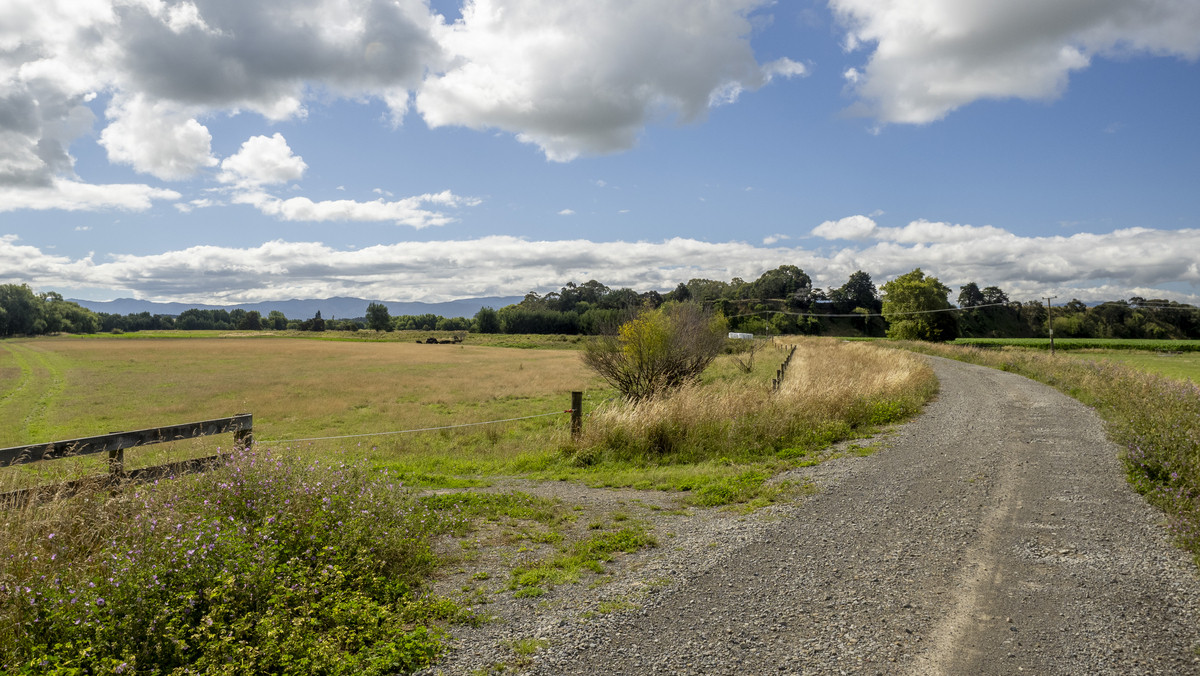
(22, 312)
(781, 301)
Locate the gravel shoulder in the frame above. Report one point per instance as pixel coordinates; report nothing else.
(994, 534)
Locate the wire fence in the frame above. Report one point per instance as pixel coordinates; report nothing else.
(412, 431)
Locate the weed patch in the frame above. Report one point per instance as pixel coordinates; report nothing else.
(265, 565)
(585, 555)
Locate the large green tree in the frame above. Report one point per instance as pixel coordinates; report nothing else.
(858, 292)
(786, 282)
(916, 308)
(378, 317)
(487, 321)
(969, 295)
(23, 312)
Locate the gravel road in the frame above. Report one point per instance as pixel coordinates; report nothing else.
(994, 534)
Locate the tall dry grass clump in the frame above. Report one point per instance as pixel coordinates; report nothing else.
(831, 390)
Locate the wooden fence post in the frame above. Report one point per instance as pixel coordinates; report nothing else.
(244, 437)
(576, 414)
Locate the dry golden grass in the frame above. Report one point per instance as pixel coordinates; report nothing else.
(830, 389)
(828, 377)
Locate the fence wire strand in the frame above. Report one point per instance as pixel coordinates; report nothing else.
(423, 429)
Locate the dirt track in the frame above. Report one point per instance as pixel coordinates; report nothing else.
(995, 534)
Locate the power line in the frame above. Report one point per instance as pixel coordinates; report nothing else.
(867, 314)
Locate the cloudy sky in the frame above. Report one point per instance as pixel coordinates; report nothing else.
(228, 151)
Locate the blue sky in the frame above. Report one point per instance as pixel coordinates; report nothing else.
(210, 151)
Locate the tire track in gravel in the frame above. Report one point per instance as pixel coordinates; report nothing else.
(995, 534)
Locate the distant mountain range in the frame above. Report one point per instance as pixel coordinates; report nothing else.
(330, 308)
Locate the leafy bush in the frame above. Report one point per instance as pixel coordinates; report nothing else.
(265, 565)
(658, 350)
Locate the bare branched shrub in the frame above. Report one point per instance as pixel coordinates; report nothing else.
(658, 350)
(744, 358)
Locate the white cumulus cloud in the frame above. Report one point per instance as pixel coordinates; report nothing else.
(156, 139)
(76, 196)
(929, 57)
(263, 160)
(585, 76)
(850, 227)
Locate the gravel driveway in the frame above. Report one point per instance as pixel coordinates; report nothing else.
(995, 534)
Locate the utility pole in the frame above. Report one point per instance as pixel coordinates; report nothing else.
(1050, 321)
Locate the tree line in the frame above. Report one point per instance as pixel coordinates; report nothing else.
(780, 301)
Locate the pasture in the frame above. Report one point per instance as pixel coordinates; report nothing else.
(1178, 365)
(353, 396)
(62, 388)
(1085, 344)
(1179, 359)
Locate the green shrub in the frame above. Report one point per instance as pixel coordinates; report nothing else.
(264, 565)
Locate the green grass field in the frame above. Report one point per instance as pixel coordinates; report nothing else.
(1179, 359)
(1179, 365)
(519, 340)
(1085, 344)
(66, 388)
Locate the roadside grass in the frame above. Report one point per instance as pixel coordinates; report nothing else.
(717, 442)
(269, 564)
(572, 560)
(1154, 418)
(722, 439)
